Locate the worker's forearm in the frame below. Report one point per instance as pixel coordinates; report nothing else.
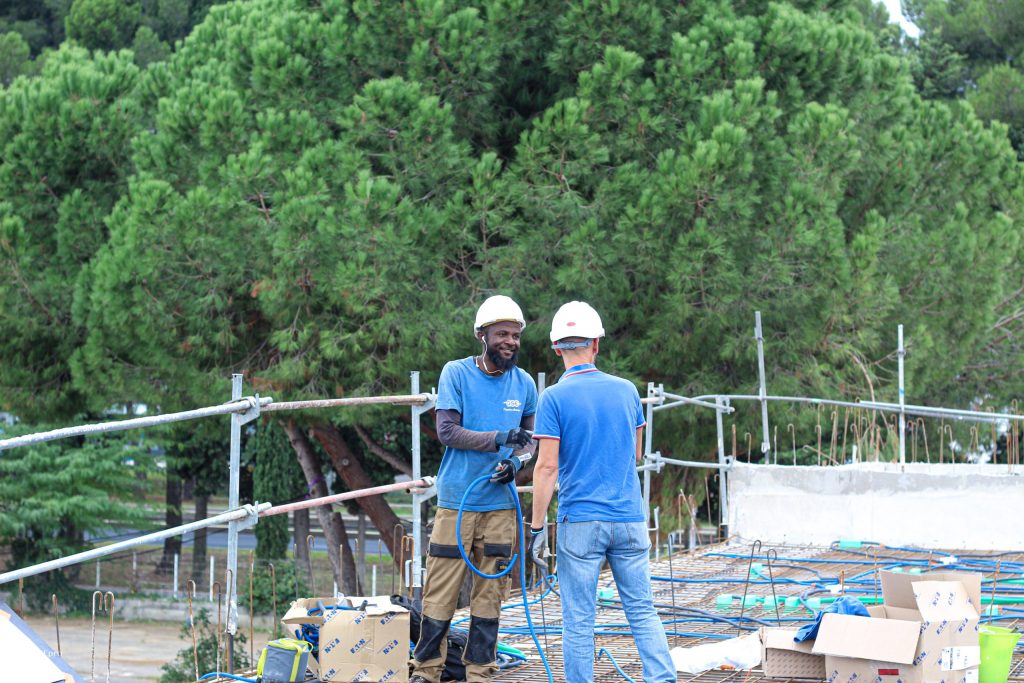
(544, 480)
(452, 434)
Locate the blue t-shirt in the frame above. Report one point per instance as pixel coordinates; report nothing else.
(487, 404)
(595, 417)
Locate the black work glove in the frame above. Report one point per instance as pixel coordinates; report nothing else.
(536, 545)
(514, 438)
(505, 471)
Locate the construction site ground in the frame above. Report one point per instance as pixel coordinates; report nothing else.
(709, 572)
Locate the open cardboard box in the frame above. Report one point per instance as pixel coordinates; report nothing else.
(783, 658)
(925, 632)
(361, 642)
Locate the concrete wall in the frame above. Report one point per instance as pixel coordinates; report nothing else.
(934, 506)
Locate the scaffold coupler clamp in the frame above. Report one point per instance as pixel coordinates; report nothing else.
(655, 459)
(252, 412)
(426, 492)
(252, 515)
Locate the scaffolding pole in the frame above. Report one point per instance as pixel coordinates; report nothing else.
(246, 512)
(900, 352)
(408, 400)
(766, 444)
(678, 400)
(239, 406)
(928, 411)
(652, 393)
(423, 483)
(245, 515)
(234, 467)
(418, 497)
(723, 504)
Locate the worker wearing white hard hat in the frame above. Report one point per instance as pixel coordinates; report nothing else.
(485, 413)
(589, 426)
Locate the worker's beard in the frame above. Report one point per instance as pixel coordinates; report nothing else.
(498, 361)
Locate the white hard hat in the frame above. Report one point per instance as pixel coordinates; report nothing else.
(576, 319)
(498, 309)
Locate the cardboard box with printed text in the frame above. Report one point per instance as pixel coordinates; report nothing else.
(362, 639)
(783, 658)
(926, 631)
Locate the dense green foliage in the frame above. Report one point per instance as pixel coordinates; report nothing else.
(149, 27)
(65, 138)
(288, 582)
(277, 478)
(102, 24)
(53, 494)
(182, 669)
(974, 49)
(319, 194)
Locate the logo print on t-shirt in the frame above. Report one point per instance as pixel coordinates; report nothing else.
(513, 404)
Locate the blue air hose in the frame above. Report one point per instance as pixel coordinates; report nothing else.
(521, 555)
(618, 668)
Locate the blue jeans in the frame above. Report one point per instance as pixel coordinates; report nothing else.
(582, 546)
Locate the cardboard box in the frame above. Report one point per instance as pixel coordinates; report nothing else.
(782, 658)
(926, 631)
(366, 641)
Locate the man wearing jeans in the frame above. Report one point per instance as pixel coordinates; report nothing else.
(589, 426)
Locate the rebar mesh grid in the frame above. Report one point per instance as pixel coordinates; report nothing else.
(708, 574)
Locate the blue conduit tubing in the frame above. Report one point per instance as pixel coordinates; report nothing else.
(221, 674)
(682, 615)
(622, 673)
(521, 555)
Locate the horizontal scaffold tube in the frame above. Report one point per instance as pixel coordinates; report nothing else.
(400, 400)
(924, 411)
(260, 509)
(134, 423)
(952, 413)
(103, 551)
(424, 483)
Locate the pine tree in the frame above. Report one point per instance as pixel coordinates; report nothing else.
(320, 194)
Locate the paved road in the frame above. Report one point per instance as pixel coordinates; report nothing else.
(218, 538)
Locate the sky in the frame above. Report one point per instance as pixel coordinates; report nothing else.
(896, 16)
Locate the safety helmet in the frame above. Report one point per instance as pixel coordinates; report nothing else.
(576, 319)
(498, 309)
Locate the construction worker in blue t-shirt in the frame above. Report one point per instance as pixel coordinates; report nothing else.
(589, 426)
(485, 413)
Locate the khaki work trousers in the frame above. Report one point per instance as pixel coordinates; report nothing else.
(488, 538)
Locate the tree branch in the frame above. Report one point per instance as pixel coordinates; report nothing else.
(382, 453)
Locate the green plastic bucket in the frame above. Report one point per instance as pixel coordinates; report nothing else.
(997, 646)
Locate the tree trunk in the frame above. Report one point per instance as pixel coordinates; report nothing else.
(172, 518)
(355, 478)
(199, 569)
(343, 565)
